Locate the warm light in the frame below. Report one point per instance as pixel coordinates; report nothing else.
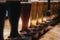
(44, 19)
(29, 23)
(20, 24)
(39, 20)
(47, 19)
(33, 22)
(20, 21)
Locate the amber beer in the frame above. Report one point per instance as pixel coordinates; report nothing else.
(40, 12)
(42, 9)
(26, 7)
(33, 14)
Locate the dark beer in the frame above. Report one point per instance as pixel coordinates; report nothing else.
(26, 7)
(14, 9)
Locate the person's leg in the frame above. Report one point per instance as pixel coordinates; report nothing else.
(2, 16)
(25, 15)
(14, 9)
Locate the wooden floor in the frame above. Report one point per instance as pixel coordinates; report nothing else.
(53, 34)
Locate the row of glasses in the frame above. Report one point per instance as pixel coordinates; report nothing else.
(37, 12)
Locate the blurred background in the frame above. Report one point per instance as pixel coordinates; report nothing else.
(39, 15)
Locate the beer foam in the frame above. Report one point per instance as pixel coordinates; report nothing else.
(47, 1)
(34, 0)
(29, 1)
